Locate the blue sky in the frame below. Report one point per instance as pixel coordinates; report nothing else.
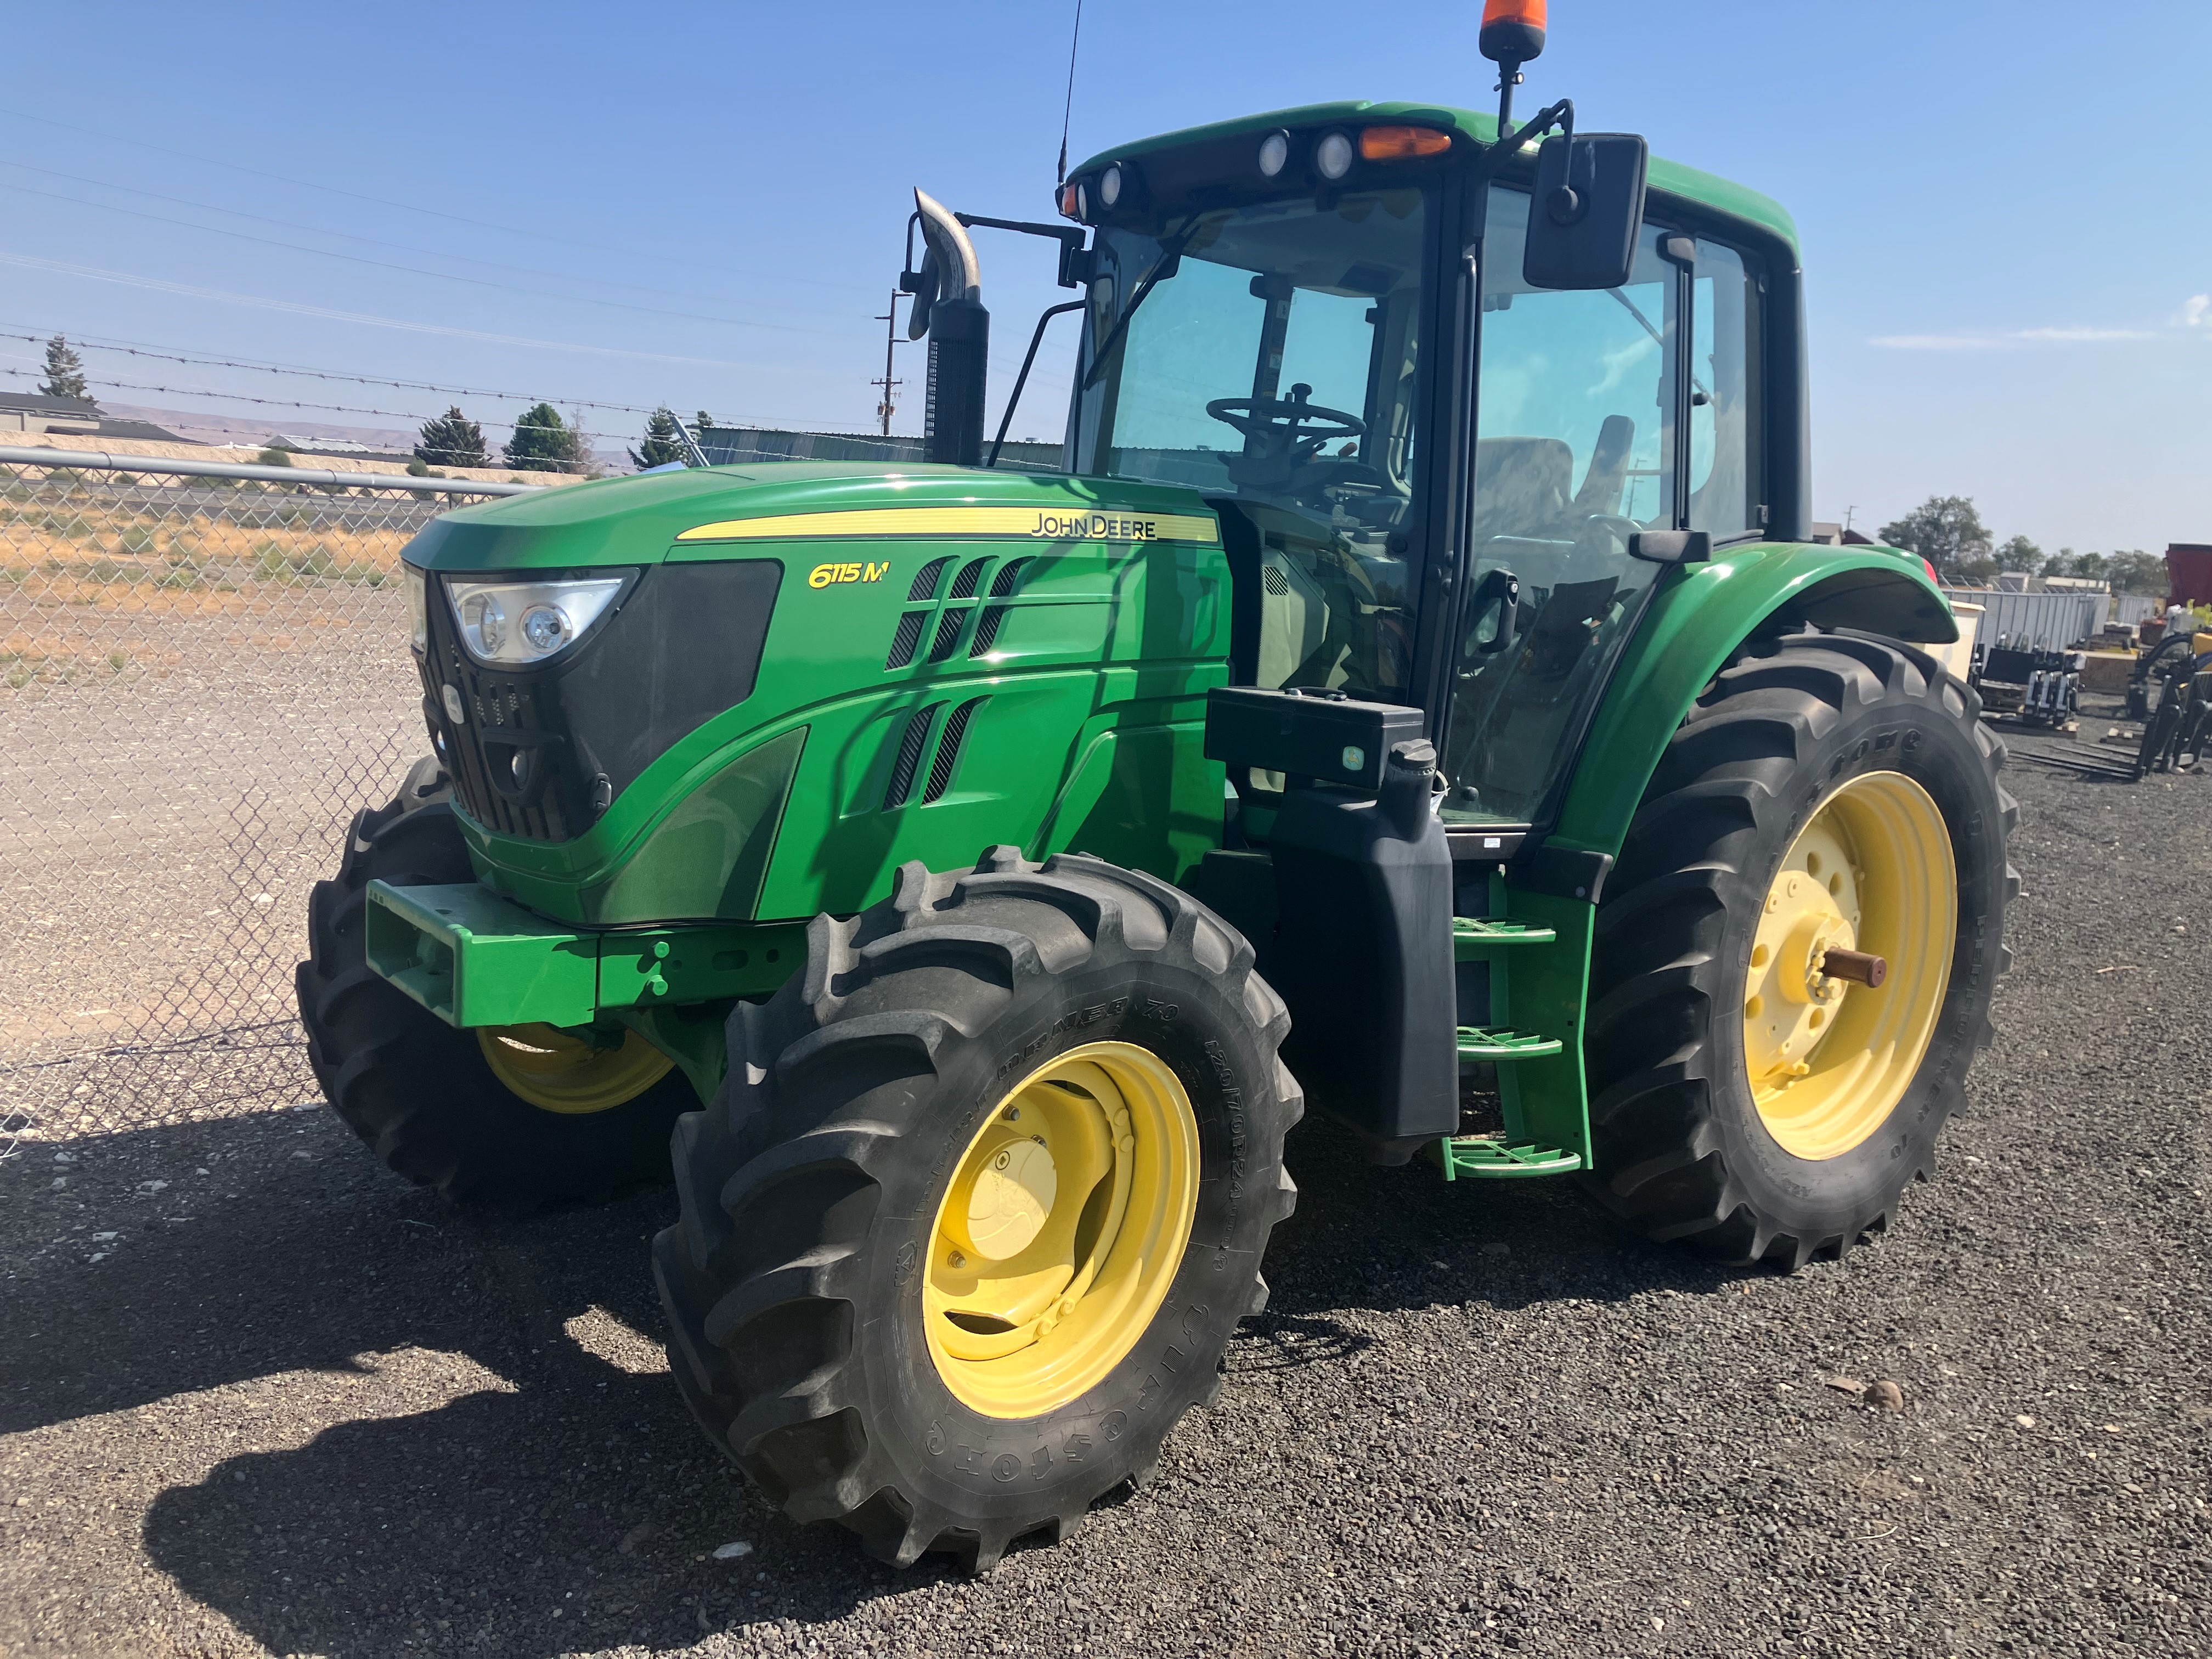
(2008, 244)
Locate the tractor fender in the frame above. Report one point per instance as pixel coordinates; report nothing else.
(1697, 621)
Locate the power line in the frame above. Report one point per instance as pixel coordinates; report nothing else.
(353, 236)
(418, 271)
(112, 136)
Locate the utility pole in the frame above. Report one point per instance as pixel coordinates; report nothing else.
(1847, 519)
(889, 320)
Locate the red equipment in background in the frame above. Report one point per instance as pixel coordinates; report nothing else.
(2189, 573)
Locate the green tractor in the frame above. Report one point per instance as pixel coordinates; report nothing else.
(1417, 696)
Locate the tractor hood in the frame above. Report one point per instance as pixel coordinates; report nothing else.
(699, 514)
(811, 672)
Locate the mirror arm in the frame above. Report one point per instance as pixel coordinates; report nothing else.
(1070, 238)
(1014, 398)
(1510, 140)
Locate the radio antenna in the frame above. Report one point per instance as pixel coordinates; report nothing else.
(1060, 174)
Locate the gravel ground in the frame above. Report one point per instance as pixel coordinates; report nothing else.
(257, 1396)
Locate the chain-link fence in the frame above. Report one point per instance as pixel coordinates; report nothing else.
(206, 673)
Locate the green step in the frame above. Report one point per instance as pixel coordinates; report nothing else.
(1477, 1042)
(1473, 936)
(1485, 1158)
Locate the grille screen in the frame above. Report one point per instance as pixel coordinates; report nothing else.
(907, 637)
(969, 578)
(948, 634)
(916, 739)
(948, 752)
(924, 580)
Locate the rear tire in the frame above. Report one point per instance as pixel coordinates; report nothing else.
(814, 1188)
(420, 1093)
(1683, 1149)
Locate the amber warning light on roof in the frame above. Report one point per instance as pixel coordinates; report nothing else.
(1512, 30)
(1402, 143)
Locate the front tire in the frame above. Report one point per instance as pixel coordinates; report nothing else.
(1829, 792)
(970, 1224)
(516, 1119)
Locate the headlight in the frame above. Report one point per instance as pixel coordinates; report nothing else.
(515, 624)
(1109, 186)
(418, 607)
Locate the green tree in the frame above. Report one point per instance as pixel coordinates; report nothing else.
(2021, 554)
(451, 440)
(543, 442)
(2135, 571)
(1946, 531)
(702, 418)
(663, 442)
(64, 372)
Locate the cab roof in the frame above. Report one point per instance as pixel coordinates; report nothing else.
(1671, 177)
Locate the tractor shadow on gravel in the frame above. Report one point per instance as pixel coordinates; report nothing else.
(469, 1439)
(1386, 1240)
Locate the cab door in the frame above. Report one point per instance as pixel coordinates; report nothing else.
(1584, 403)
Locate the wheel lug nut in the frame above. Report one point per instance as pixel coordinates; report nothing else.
(1013, 1115)
(1002, 1160)
(956, 1259)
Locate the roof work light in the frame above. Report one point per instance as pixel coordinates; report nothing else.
(1512, 30)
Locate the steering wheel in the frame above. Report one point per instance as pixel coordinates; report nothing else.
(1291, 417)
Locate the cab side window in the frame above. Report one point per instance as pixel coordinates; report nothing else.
(1726, 420)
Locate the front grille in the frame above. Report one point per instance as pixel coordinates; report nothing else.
(541, 752)
(510, 759)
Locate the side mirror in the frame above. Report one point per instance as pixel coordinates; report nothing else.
(1671, 546)
(1588, 207)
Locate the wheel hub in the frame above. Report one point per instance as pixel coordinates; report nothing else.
(1873, 871)
(556, 1072)
(1061, 1230)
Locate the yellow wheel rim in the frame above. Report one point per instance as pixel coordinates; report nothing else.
(1062, 1230)
(561, 1073)
(1828, 1061)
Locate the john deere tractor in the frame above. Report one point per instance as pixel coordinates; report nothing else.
(1416, 697)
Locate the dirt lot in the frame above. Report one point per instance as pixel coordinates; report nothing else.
(257, 1396)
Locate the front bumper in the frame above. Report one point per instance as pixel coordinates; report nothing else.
(474, 959)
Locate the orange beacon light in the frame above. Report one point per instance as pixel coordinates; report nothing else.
(1512, 30)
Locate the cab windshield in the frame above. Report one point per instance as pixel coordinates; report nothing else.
(1267, 354)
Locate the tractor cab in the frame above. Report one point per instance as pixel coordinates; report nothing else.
(1286, 314)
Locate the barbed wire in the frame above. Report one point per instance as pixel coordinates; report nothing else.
(1043, 380)
(12, 331)
(136, 348)
(342, 409)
